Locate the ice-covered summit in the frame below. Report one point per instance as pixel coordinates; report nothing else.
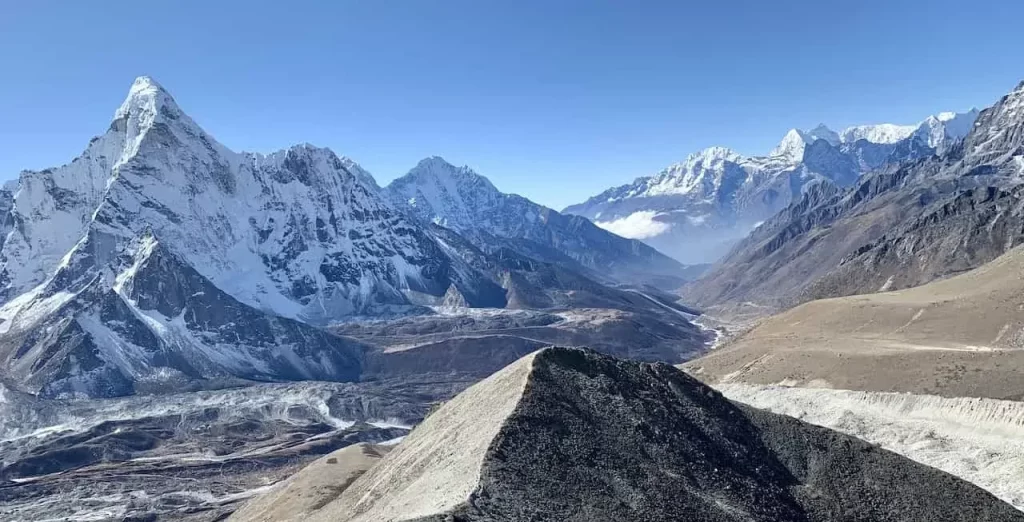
(145, 94)
(881, 133)
(938, 132)
(795, 141)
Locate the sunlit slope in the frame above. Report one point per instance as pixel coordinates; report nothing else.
(956, 337)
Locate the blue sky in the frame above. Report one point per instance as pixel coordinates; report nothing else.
(556, 100)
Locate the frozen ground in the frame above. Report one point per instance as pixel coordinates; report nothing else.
(979, 440)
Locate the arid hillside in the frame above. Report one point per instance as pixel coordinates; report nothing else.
(962, 336)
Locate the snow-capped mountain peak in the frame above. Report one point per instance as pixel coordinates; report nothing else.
(938, 132)
(701, 172)
(791, 146)
(445, 194)
(299, 232)
(438, 169)
(148, 108)
(942, 129)
(696, 208)
(882, 133)
(459, 199)
(796, 141)
(949, 115)
(823, 132)
(712, 154)
(147, 95)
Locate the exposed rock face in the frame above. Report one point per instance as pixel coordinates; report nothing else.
(896, 227)
(570, 435)
(459, 199)
(962, 232)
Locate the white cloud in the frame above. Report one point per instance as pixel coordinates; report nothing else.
(638, 225)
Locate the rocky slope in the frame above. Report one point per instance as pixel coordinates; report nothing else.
(898, 226)
(302, 494)
(978, 440)
(459, 199)
(571, 435)
(696, 210)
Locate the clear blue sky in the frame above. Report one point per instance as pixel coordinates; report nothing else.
(556, 100)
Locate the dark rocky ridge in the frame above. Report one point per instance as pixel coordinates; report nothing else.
(590, 437)
(961, 233)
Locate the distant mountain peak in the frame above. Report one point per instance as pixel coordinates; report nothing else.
(711, 154)
(146, 94)
(795, 141)
(951, 115)
(697, 208)
(436, 166)
(883, 133)
(433, 162)
(459, 199)
(823, 131)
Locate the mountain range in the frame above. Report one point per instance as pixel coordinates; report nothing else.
(696, 210)
(160, 257)
(463, 201)
(157, 290)
(899, 226)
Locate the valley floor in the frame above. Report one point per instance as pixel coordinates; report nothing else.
(979, 440)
